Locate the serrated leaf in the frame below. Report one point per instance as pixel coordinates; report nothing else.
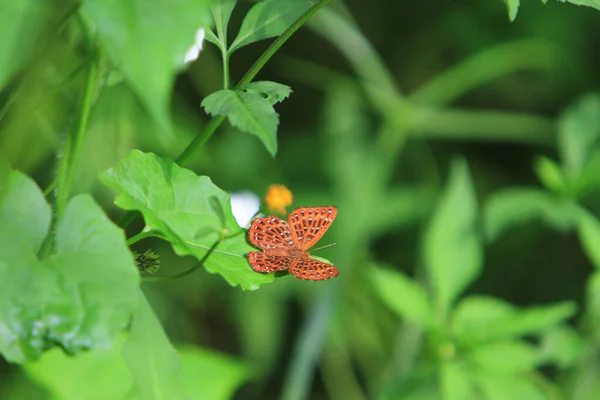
(453, 249)
(478, 319)
(589, 234)
(590, 3)
(152, 361)
(578, 133)
(513, 8)
(78, 297)
(249, 112)
(268, 19)
(148, 40)
(505, 357)
(275, 92)
(21, 23)
(210, 375)
(177, 202)
(403, 296)
(511, 208)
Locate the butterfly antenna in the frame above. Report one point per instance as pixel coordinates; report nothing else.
(323, 247)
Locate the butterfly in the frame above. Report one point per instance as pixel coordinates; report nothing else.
(285, 244)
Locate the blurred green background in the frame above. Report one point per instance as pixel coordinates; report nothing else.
(386, 94)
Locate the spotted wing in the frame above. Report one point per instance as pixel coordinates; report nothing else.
(313, 270)
(270, 233)
(262, 262)
(309, 224)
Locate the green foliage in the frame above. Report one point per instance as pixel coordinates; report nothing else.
(267, 19)
(453, 226)
(249, 111)
(66, 286)
(125, 28)
(513, 5)
(405, 297)
(178, 205)
(87, 90)
(20, 27)
(141, 365)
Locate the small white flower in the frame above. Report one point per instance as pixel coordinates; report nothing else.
(194, 50)
(243, 206)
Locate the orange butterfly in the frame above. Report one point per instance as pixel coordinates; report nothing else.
(285, 244)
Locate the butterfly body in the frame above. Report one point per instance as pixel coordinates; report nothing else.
(285, 244)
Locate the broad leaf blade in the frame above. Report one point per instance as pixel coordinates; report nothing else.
(81, 296)
(152, 361)
(268, 19)
(181, 205)
(148, 40)
(21, 23)
(96, 375)
(249, 112)
(402, 295)
(453, 249)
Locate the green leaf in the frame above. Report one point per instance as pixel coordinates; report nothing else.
(513, 8)
(21, 23)
(402, 295)
(590, 3)
(180, 205)
(78, 297)
(550, 175)
(578, 133)
(268, 19)
(505, 357)
(514, 207)
(456, 381)
(502, 387)
(209, 375)
(589, 234)
(563, 346)
(593, 304)
(152, 361)
(221, 11)
(95, 375)
(478, 319)
(249, 112)
(148, 40)
(453, 250)
(275, 92)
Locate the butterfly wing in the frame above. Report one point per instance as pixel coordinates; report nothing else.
(313, 270)
(309, 224)
(270, 233)
(262, 262)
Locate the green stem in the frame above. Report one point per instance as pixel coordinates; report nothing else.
(488, 65)
(186, 272)
(72, 149)
(211, 127)
(225, 57)
(140, 236)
